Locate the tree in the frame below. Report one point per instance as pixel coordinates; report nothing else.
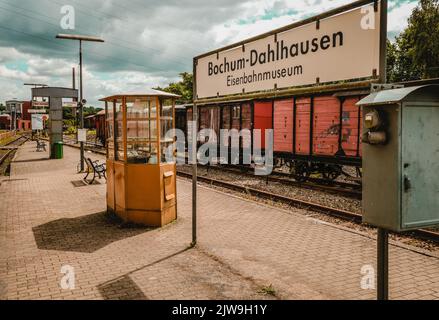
(391, 61)
(415, 53)
(184, 88)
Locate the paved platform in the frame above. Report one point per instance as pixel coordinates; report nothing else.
(245, 249)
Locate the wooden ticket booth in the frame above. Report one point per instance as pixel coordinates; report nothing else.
(141, 184)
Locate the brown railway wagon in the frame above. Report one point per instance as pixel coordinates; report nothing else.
(312, 134)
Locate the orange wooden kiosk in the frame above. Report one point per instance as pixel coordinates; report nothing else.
(141, 182)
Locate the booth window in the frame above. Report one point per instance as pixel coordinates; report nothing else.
(118, 130)
(166, 124)
(141, 130)
(109, 107)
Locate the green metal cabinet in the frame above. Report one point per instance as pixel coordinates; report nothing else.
(401, 173)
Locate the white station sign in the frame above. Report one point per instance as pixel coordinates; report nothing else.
(71, 104)
(342, 47)
(37, 122)
(40, 104)
(37, 110)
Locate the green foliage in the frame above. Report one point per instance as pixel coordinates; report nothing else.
(88, 111)
(71, 130)
(184, 88)
(2, 107)
(68, 113)
(415, 54)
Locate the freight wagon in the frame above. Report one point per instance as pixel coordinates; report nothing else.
(315, 132)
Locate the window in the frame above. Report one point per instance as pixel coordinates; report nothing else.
(141, 130)
(118, 130)
(166, 124)
(109, 106)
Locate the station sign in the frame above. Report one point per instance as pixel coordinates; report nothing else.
(337, 46)
(72, 104)
(40, 104)
(33, 111)
(82, 135)
(37, 122)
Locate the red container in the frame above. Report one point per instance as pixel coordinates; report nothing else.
(283, 125)
(326, 122)
(303, 109)
(350, 127)
(263, 113)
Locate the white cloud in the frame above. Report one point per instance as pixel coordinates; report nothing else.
(398, 17)
(147, 43)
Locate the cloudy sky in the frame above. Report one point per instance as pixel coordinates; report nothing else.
(148, 43)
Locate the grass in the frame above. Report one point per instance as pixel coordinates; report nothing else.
(268, 290)
(7, 140)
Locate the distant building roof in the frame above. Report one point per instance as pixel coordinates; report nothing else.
(99, 113)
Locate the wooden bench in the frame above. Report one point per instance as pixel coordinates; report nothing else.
(41, 146)
(96, 168)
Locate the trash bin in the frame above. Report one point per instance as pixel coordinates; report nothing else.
(58, 150)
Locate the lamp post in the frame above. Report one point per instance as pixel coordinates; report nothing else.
(80, 38)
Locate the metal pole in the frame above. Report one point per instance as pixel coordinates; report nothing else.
(81, 107)
(194, 173)
(383, 264)
(383, 41)
(194, 154)
(73, 79)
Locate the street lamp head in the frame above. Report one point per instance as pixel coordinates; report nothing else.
(78, 37)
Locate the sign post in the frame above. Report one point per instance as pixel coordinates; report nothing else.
(383, 264)
(382, 234)
(194, 128)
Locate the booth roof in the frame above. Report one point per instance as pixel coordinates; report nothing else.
(146, 93)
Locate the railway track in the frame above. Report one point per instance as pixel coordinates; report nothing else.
(338, 188)
(8, 149)
(338, 213)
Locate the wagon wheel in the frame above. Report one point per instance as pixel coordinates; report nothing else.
(300, 171)
(331, 173)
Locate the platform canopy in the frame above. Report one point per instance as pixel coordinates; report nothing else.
(146, 93)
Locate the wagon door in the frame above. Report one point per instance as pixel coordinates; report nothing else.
(283, 125)
(263, 113)
(303, 113)
(351, 122)
(326, 124)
